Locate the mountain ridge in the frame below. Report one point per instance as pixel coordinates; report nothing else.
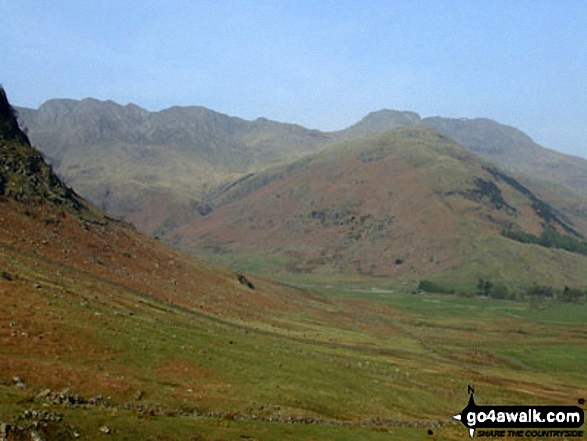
(109, 333)
(161, 169)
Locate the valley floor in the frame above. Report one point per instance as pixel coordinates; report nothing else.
(82, 356)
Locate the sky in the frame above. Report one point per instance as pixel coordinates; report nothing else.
(322, 64)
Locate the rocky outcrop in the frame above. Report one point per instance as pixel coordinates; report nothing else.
(8, 120)
(24, 174)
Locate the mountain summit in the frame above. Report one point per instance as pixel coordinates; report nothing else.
(380, 121)
(163, 170)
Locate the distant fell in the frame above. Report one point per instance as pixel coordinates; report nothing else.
(404, 204)
(161, 170)
(155, 169)
(213, 136)
(504, 145)
(380, 121)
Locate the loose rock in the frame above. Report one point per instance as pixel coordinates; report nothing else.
(105, 429)
(4, 431)
(36, 436)
(19, 383)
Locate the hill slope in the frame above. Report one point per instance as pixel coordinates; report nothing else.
(409, 203)
(83, 296)
(159, 170)
(154, 168)
(106, 333)
(506, 146)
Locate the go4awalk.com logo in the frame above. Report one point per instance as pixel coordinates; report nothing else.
(521, 421)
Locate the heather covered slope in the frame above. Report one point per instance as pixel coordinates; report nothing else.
(408, 203)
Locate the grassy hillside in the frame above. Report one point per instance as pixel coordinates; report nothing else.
(108, 334)
(353, 363)
(127, 160)
(160, 170)
(408, 203)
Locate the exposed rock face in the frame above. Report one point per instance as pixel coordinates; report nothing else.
(8, 120)
(24, 174)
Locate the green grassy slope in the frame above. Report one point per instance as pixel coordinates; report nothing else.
(360, 366)
(107, 334)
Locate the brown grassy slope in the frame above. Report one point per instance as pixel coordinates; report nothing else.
(43, 217)
(126, 160)
(407, 202)
(115, 252)
(505, 146)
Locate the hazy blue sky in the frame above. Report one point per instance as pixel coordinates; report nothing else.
(323, 64)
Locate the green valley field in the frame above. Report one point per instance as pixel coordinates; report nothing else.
(358, 362)
(106, 333)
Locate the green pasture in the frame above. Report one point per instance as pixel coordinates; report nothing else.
(376, 362)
